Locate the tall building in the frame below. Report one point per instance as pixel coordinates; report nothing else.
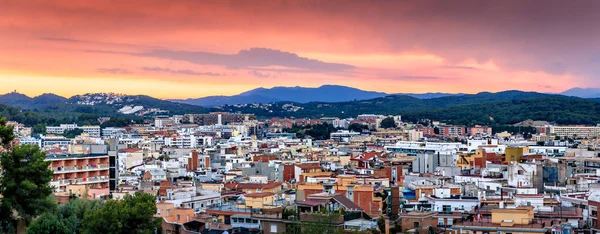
(70, 169)
(222, 118)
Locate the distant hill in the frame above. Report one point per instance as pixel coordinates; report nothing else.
(52, 103)
(583, 92)
(23, 101)
(430, 95)
(325, 93)
(502, 108)
(392, 104)
(49, 99)
(552, 108)
(212, 101)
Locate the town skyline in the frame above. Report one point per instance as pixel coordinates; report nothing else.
(196, 49)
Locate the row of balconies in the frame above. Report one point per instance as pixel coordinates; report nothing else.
(76, 168)
(87, 180)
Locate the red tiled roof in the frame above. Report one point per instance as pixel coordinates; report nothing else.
(312, 203)
(368, 156)
(259, 194)
(129, 150)
(308, 165)
(350, 205)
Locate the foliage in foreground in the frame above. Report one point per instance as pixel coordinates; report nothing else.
(133, 214)
(24, 183)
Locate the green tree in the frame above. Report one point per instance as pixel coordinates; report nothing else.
(50, 223)
(39, 129)
(73, 133)
(6, 133)
(133, 214)
(66, 219)
(24, 185)
(357, 127)
(388, 122)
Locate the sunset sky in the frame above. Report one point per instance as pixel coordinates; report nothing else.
(187, 49)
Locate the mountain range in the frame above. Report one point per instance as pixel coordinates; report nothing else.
(505, 107)
(325, 93)
(582, 92)
(54, 103)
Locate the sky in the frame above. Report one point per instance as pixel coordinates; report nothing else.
(188, 49)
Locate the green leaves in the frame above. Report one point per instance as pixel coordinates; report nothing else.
(6, 133)
(388, 122)
(24, 185)
(133, 214)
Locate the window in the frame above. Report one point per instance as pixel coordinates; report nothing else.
(234, 220)
(254, 221)
(178, 217)
(416, 224)
(446, 208)
(274, 228)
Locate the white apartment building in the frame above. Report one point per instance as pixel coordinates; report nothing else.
(30, 141)
(343, 135)
(575, 131)
(163, 122)
(92, 131)
(188, 141)
(474, 144)
(112, 132)
(414, 135)
(55, 130)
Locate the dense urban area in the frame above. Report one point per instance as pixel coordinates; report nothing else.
(223, 172)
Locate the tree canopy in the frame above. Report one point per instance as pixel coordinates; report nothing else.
(24, 185)
(388, 122)
(133, 214)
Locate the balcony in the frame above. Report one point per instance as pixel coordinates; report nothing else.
(88, 180)
(69, 169)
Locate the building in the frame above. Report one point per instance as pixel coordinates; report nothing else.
(367, 197)
(427, 163)
(514, 154)
(218, 118)
(92, 131)
(452, 131)
(512, 220)
(163, 122)
(112, 132)
(343, 135)
(480, 131)
(92, 170)
(575, 131)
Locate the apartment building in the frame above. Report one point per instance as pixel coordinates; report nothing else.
(91, 130)
(220, 118)
(575, 131)
(91, 170)
(452, 131)
(188, 141)
(112, 132)
(480, 130)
